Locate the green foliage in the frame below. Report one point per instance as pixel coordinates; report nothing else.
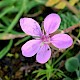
(13, 8)
(41, 1)
(72, 64)
(22, 40)
(5, 3)
(68, 19)
(67, 78)
(49, 72)
(78, 71)
(78, 56)
(6, 49)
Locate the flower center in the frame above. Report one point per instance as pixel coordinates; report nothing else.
(45, 38)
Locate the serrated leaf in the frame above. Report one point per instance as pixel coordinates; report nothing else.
(68, 20)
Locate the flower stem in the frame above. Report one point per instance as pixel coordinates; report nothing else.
(61, 57)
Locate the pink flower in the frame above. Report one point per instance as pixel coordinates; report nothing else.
(39, 45)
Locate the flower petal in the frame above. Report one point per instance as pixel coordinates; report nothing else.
(62, 41)
(43, 54)
(30, 26)
(30, 48)
(51, 23)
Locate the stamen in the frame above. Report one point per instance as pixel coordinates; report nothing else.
(45, 39)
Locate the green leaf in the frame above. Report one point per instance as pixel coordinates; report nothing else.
(6, 49)
(5, 3)
(22, 40)
(41, 1)
(78, 56)
(72, 64)
(48, 66)
(6, 10)
(39, 72)
(67, 78)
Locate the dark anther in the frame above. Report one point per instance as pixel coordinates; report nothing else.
(48, 49)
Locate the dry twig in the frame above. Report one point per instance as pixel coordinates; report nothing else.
(71, 28)
(12, 36)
